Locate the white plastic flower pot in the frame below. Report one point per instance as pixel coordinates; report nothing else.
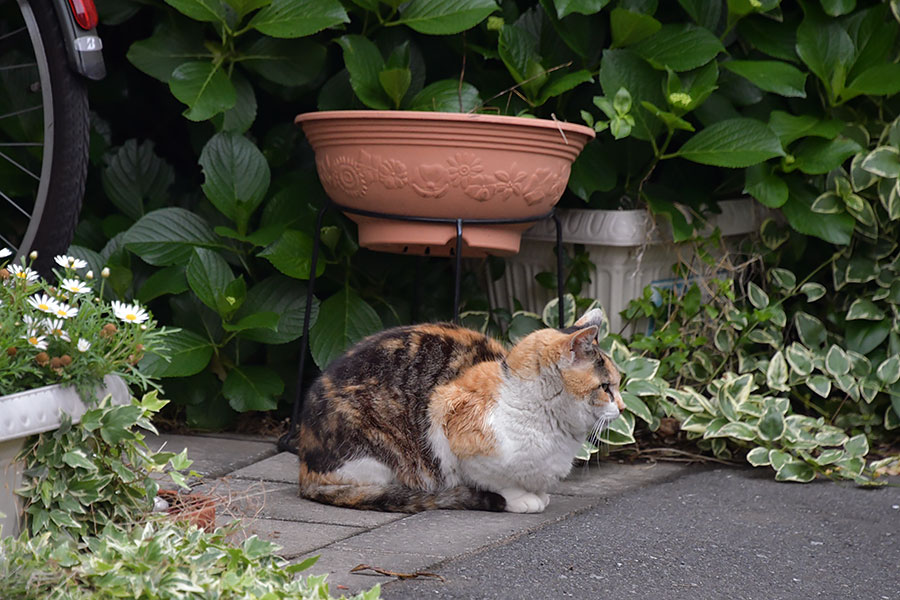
(628, 253)
(31, 412)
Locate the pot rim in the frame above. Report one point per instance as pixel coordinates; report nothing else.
(415, 115)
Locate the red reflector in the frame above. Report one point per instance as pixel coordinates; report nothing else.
(85, 13)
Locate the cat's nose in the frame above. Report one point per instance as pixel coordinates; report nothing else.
(619, 403)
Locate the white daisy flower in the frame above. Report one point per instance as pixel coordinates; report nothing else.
(75, 286)
(4, 252)
(69, 262)
(35, 340)
(64, 311)
(54, 327)
(43, 303)
(83, 345)
(30, 321)
(130, 313)
(23, 273)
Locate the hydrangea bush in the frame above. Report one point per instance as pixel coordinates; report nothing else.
(66, 333)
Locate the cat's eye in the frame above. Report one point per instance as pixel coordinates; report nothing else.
(605, 387)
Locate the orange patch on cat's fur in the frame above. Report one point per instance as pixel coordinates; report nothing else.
(461, 408)
(580, 382)
(539, 350)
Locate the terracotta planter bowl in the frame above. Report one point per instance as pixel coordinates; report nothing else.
(448, 165)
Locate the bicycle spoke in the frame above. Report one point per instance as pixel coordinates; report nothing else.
(8, 243)
(12, 33)
(22, 111)
(19, 66)
(21, 167)
(15, 205)
(20, 144)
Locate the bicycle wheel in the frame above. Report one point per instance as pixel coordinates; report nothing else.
(44, 133)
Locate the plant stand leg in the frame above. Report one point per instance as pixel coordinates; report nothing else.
(287, 442)
(559, 270)
(456, 283)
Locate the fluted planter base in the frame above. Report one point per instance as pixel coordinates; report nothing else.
(628, 253)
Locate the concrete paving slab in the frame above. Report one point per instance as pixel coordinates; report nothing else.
(295, 538)
(337, 563)
(212, 456)
(446, 533)
(282, 468)
(271, 500)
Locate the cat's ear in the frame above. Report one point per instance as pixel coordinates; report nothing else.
(581, 344)
(594, 316)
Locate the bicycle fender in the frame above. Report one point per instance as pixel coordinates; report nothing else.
(84, 48)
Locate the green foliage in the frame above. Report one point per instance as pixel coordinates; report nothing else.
(751, 369)
(803, 88)
(158, 559)
(81, 478)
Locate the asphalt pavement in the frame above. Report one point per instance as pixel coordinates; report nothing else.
(712, 533)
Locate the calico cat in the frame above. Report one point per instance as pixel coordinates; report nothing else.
(439, 416)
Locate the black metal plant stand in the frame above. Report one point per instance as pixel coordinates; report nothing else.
(286, 441)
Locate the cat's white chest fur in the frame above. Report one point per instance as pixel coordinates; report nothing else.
(538, 432)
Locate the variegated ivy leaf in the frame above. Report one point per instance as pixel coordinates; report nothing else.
(640, 367)
(758, 457)
(696, 423)
(777, 458)
(813, 291)
(795, 470)
(820, 384)
(713, 427)
(783, 278)
(854, 465)
(889, 370)
(860, 366)
(765, 336)
(758, 297)
(620, 431)
(829, 203)
(860, 209)
(771, 424)
(736, 318)
(831, 436)
(800, 359)
(836, 361)
(859, 177)
(777, 373)
(724, 339)
(738, 431)
(847, 383)
(857, 446)
(772, 234)
(829, 456)
(637, 407)
(869, 388)
(883, 161)
(863, 308)
(720, 448)
(619, 352)
(810, 329)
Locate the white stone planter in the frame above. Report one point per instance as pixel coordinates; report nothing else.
(31, 412)
(629, 253)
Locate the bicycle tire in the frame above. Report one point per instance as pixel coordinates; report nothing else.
(57, 201)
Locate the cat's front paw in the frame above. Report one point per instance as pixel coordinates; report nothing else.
(520, 501)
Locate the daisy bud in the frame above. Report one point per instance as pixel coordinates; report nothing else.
(89, 275)
(33, 255)
(56, 362)
(66, 360)
(105, 273)
(42, 358)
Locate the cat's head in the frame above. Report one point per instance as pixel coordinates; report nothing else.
(572, 358)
